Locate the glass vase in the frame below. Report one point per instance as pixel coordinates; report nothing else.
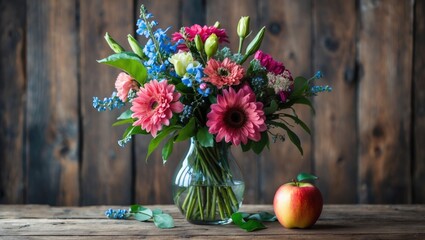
(208, 185)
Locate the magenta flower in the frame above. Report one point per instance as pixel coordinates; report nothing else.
(154, 106)
(204, 32)
(237, 117)
(269, 63)
(226, 73)
(124, 84)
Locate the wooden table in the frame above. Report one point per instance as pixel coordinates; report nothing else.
(336, 222)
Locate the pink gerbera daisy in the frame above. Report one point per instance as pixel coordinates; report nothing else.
(224, 73)
(204, 32)
(154, 106)
(124, 84)
(237, 117)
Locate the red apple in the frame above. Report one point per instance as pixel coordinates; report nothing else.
(298, 204)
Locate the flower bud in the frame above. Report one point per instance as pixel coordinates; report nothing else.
(135, 46)
(113, 44)
(243, 27)
(211, 45)
(180, 61)
(180, 68)
(203, 86)
(217, 24)
(255, 44)
(198, 43)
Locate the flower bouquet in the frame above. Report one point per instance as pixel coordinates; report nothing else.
(188, 87)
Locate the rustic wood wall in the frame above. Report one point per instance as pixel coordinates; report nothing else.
(368, 134)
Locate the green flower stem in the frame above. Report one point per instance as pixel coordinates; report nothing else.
(201, 210)
(220, 208)
(226, 201)
(232, 196)
(191, 204)
(210, 198)
(151, 34)
(204, 160)
(186, 200)
(241, 40)
(214, 199)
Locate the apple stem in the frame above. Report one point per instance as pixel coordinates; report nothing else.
(296, 182)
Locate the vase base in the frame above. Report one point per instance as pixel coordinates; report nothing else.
(218, 222)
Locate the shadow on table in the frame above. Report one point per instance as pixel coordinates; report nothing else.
(328, 227)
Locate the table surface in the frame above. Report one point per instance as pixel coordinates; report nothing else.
(336, 222)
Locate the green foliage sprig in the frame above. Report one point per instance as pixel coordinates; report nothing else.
(143, 214)
(252, 222)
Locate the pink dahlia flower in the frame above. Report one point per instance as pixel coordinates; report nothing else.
(237, 117)
(154, 106)
(269, 63)
(124, 84)
(204, 32)
(224, 73)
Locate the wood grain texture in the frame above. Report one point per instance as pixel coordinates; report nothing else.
(52, 106)
(106, 171)
(367, 143)
(153, 178)
(192, 12)
(289, 40)
(335, 121)
(385, 56)
(12, 100)
(228, 14)
(336, 222)
(419, 103)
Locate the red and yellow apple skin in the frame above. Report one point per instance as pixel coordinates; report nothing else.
(298, 204)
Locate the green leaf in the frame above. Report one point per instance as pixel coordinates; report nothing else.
(292, 136)
(305, 101)
(187, 131)
(157, 211)
(163, 220)
(306, 177)
(140, 209)
(299, 122)
(125, 115)
(132, 130)
(272, 108)
(205, 138)
(146, 211)
(136, 208)
(263, 216)
(180, 87)
(154, 143)
(141, 213)
(128, 62)
(295, 140)
(246, 147)
(167, 150)
(258, 147)
(142, 217)
(212, 98)
(249, 226)
(300, 86)
(122, 122)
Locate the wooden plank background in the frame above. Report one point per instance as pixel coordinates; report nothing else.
(368, 134)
